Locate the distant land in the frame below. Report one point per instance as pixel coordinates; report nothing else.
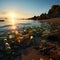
(2, 20)
(54, 12)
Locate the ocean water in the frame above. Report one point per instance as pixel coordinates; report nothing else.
(21, 23)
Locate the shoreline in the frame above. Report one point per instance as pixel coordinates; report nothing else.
(52, 21)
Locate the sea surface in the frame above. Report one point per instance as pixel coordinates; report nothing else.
(21, 23)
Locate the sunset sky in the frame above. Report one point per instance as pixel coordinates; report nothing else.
(26, 8)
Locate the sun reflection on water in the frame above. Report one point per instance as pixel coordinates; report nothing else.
(12, 19)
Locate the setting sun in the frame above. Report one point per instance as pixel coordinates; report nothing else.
(11, 17)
